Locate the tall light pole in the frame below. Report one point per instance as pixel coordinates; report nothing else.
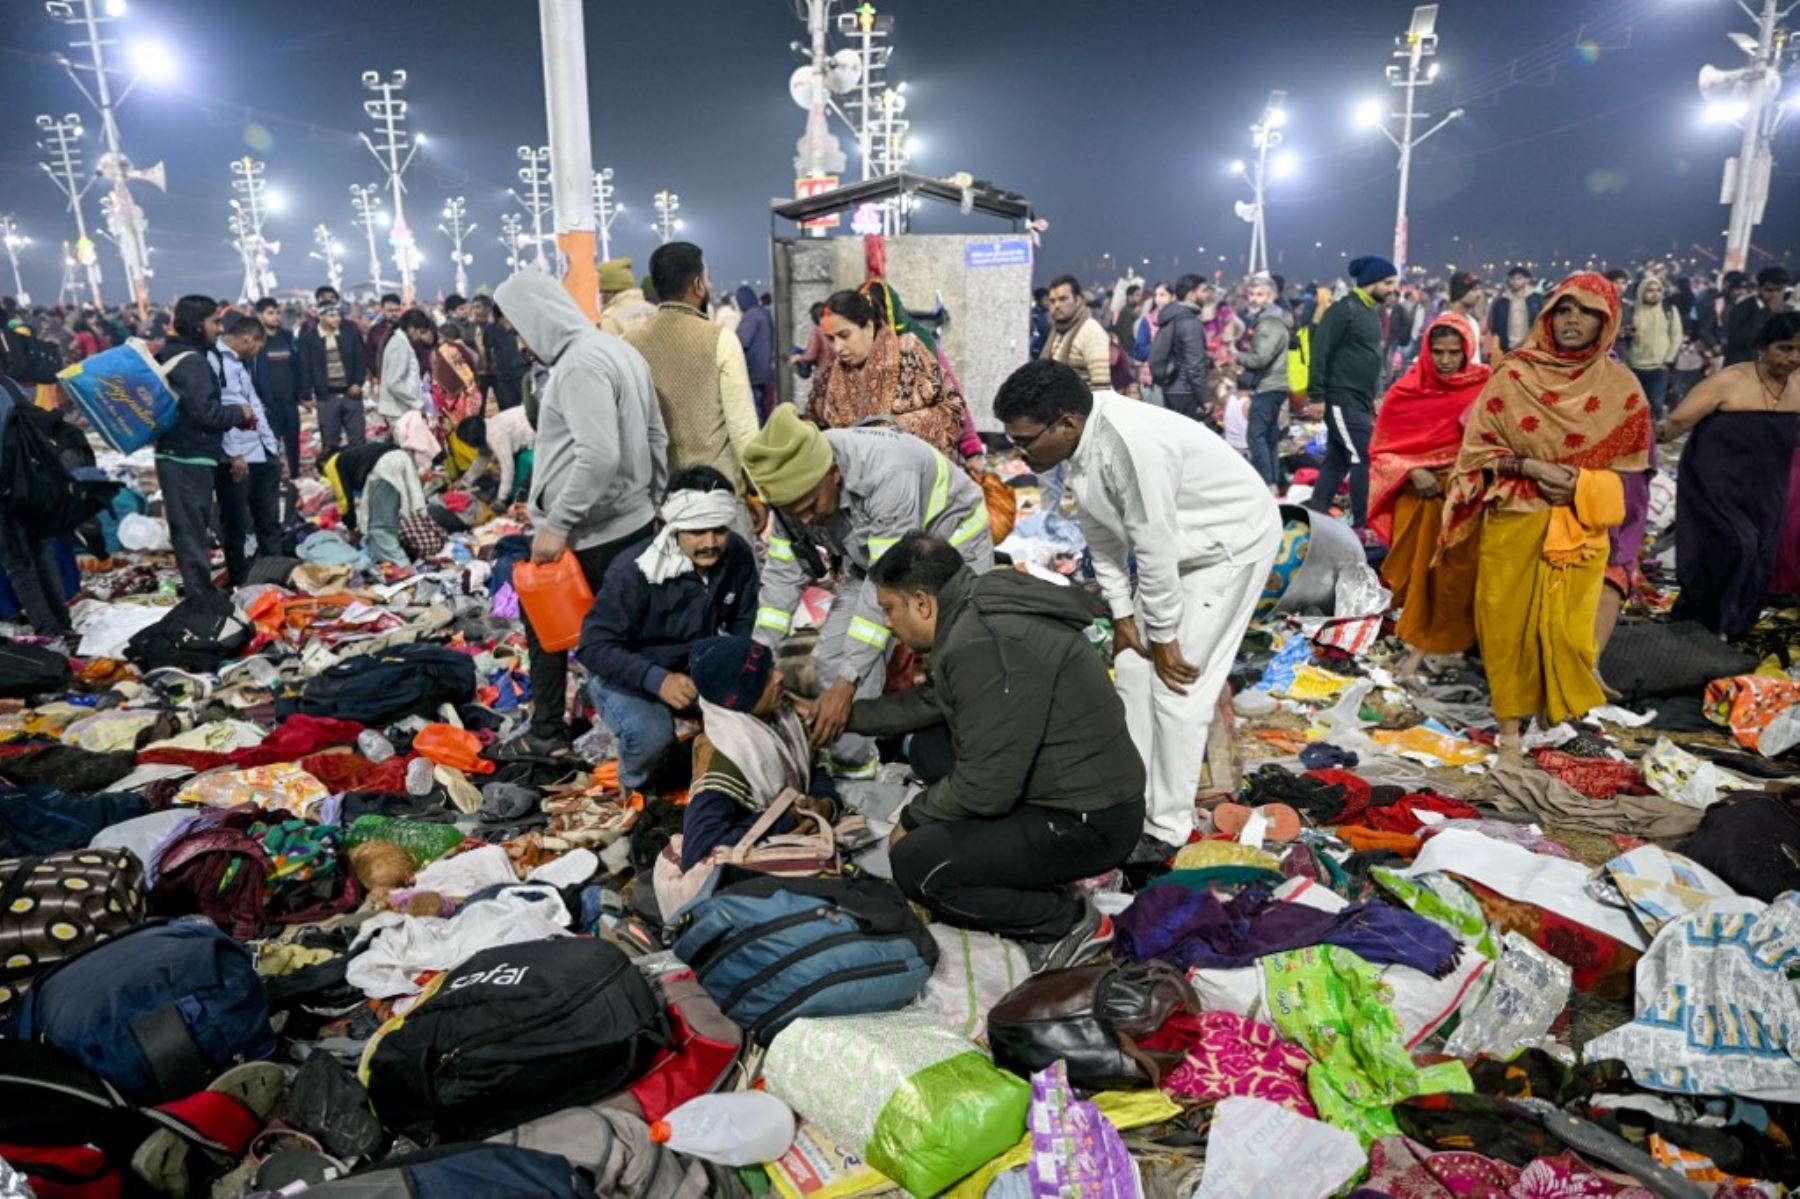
(251, 208)
(535, 175)
(366, 199)
(564, 39)
(1751, 97)
(394, 150)
(816, 152)
(1265, 135)
(605, 211)
(455, 211)
(667, 223)
(114, 165)
(327, 253)
(62, 162)
(71, 280)
(1413, 47)
(15, 241)
(512, 236)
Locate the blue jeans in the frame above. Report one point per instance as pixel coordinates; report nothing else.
(1267, 412)
(1656, 387)
(645, 728)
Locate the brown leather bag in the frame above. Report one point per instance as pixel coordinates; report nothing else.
(1092, 1017)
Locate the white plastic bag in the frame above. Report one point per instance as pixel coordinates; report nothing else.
(144, 534)
(974, 972)
(1257, 1147)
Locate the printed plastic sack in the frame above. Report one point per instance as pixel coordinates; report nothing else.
(1076, 1153)
(914, 1100)
(124, 394)
(282, 786)
(1257, 1147)
(974, 972)
(815, 1167)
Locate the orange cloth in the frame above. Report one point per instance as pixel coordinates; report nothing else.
(1369, 840)
(1437, 603)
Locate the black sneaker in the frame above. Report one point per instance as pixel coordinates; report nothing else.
(1091, 936)
(533, 746)
(1151, 848)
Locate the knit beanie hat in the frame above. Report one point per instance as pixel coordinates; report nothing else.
(787, 457)
(615, 275)
(1373, 269)
(730, 671)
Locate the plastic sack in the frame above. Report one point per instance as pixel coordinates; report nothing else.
(818, 1168)
(974, 972)
(1359, 592)
(423, 841)
(144, 534)
(1256, 1147)
(914, 1100)
(1076, 1153)
(447, 745)
(123, 394)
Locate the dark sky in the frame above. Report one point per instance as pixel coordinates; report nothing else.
(1118, 119)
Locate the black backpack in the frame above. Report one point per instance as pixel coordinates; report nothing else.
(36, 488)
(30, 359)
(515, 1032)
(1164, 362)
(381, 688)
(28, 670)
(198, 633)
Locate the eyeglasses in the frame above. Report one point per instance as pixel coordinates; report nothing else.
(1026, 440)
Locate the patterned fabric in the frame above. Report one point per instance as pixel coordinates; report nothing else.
(1228, 1054)
(421, 535)
(299, 852)
(901, 381)
(1748, 704)
(1404, 1169)
(1296, 536)
(1596, 778)
(1601, 965)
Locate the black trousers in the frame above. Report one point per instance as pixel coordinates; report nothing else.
(252, 504)
(187, 494)
(284, 419)
(550, 671)
(30, 566)
(1346, 453)
(509, 392)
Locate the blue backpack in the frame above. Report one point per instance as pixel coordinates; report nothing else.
(770, 950)
(159, 1011)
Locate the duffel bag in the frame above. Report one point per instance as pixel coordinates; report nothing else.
(1091, 1017)
(158, 1011)
(124, 394)
(770, 950)
(461, 1171)
(53, 907)
(198, 633)
(381, 688)
(513, 1033)
(28, 670)
(703, 1047)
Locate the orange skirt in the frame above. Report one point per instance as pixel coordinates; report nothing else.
(1437, 604)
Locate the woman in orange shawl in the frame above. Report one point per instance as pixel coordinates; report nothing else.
(1538, 475)
(883, 376)
(1417, 436)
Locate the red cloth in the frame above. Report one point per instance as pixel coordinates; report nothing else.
(197, 760)
(1420, 423)
(296, 737)
(1356, 790)
(219, 1116)
(353, 772)
(1399, 817)
(1596, 778)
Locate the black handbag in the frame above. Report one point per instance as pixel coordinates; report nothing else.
(1092, 1017)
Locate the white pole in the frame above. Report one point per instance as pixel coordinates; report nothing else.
(9, 232)
(1406, 149)
(571, 154)
(1750, 177)
(64, 168)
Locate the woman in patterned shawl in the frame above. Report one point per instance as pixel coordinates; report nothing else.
(886, 376)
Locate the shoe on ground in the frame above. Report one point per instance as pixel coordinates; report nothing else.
(533, 746)
(1151, 848)
(1091, 936)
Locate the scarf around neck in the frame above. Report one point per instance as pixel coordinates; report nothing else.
(772, 754)
(1581, 408)
(1420, 424)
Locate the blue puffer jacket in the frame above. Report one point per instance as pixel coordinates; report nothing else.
(637, 634)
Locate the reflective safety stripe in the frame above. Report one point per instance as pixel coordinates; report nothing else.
(940, 490)
(774, 618)
(781, 549)
(868, 632)
(879, 546)
(976, 522)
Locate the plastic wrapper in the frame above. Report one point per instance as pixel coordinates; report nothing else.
(974, 971)
(423, 841)
(1529, 989)
(1358, 592)
(1076, 1153)
(1256, 1147)
(914, 1100)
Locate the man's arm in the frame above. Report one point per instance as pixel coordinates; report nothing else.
(201, 397)
(1268, 343)
(1143, 482)
(782, 582)
(399, 378)
(1111, 559)
(740, 620)
(608, 647)
(734, 394)
(897, 714)
(1325, 340)
(591, 412)
(997, 712)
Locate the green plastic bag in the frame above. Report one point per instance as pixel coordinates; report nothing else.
(423, 841)
(911, 1098)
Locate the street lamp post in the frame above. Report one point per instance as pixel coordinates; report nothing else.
(250, 209)
(605, 211)
(327, 253)
(453, 228)
(395, 153)
(365, 198)
(535, 175)
(15, 241)
(1750, 96)
(667, 224)
(512, 236)
(1413, 47)
(63, 165)
(1264, 136)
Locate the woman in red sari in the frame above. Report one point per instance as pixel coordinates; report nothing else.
(1417, 436)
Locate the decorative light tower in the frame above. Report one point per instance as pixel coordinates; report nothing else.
(605, 211)
(667, 223)
(251, 208)
(393, 148)
(15, 241)
(366, 199)
(535, 175)
(330, 249)
(62, 162)
(512, 236)
(1265, 135)
(453, 228)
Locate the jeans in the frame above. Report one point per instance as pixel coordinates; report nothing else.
(644, 726)
(1012, 875)
(250, 504)
(1184, 402)
(30, 565)
(187, 491)
(340, 416)
(550, 671)
(1268, 411)
(1656, 388)
(1346, 454)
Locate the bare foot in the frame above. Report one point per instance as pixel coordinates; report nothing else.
(1409, 666)
(1606, 688)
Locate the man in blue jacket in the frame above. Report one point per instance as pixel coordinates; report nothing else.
(694, 579)
(279, 373)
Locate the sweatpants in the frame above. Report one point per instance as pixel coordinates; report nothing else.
(250, 505)
(187, 494)
(30, 564)
(550, 671)
(1012, 875)
(1346, 454)
(340, 417)
(1170, 730)
(851, 749)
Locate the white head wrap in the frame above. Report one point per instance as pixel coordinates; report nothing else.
(684, 512)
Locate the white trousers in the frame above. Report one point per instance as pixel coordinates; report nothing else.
(1170, 730)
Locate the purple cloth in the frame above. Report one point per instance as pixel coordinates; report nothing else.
(1733, 489)
(1195, 928)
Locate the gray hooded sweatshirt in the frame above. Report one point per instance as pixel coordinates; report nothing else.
(602, 452)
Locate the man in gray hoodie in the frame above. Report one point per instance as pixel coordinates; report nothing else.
(601, 461)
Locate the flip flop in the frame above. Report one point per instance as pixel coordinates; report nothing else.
(1284, 821)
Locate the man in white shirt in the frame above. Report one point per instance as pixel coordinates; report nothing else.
(249, 480)
(402, 383)
(1204, 531)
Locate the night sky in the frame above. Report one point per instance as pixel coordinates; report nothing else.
(1118, 120)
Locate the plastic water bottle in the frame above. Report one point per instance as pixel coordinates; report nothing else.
(418, 777)
(739, 1128)
(374, 746)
